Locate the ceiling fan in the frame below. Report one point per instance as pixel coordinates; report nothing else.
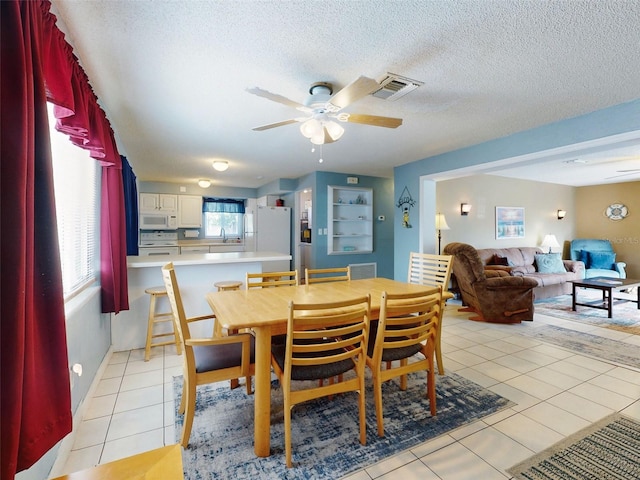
(323, 107)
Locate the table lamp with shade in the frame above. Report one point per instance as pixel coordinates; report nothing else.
(549, 241)
(441, 224)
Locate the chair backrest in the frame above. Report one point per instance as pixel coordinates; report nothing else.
(590, 245)
(468, 269)
(323, 333)
(407, 320)
(271, 279)
(321, 275)
(428, 269)
(180, 323)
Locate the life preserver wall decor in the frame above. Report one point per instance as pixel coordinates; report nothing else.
(616, 211)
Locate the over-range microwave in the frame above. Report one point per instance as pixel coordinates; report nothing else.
(158, 221)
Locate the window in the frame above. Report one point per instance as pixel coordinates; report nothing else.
(223, 218)
(76, 178)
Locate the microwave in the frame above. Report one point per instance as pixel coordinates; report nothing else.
(158, 221)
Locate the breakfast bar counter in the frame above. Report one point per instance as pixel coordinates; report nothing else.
(196, 273)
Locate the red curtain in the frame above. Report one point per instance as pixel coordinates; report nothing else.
(38, 65)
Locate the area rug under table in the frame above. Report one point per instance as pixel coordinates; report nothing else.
(626, 316)
(608, 449)
(325, 432)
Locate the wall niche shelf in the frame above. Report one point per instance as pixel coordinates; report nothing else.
(350, 219)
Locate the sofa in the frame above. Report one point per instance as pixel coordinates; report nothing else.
(598, 257)
(493, 295)
(551, 273)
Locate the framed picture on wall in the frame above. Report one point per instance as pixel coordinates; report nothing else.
(509, 222)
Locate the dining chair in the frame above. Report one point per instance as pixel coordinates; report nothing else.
(322, 275)
(432, 270)
(271, 279)
(407, 326)
(323, 341)
(205, 360)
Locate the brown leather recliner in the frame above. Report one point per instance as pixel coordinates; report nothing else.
(494, 295)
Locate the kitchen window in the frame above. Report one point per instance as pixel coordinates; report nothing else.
(223, 218)
(76, 179)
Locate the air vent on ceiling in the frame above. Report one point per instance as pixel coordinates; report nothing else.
(393, 86)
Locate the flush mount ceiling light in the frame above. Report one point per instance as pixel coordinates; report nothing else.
(204, 183)
(220, 165)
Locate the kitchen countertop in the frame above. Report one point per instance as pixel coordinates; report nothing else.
(205, 259)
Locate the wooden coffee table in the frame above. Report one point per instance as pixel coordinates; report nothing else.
(607, 285)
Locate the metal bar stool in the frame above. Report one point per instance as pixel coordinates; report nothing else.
(159, 317)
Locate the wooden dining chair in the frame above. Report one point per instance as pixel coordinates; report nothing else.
(271, 279)
(324, 340)
(322, 275)
(432, 270)
(205, 360)
(407, 326)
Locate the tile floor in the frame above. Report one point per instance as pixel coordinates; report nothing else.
(556, 392)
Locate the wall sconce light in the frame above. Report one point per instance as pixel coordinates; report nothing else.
(561, 214)
(220, 165)
(203, 183)
(465, 208)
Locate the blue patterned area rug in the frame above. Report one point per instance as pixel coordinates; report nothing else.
(626, 316)
(592, 345)
(324, 432)
(608, 449)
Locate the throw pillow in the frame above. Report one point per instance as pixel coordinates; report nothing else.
(583, 256)
(602, 260)
(549, 263)
(498, 260)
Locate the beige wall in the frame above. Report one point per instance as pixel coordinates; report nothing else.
(591, 221)
(485, 192)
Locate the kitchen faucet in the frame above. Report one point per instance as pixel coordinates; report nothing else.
(223, 235)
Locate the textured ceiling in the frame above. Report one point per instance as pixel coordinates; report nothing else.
(172, 77)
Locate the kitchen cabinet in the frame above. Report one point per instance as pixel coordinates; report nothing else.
(350, 220)
(194, 249)
(158, 202)
(189, 211)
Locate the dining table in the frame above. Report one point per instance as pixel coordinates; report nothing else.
(265, 311)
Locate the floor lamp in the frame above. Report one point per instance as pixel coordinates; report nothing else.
(441, 224)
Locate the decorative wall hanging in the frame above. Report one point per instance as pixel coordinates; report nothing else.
(509, 222)
(616, 211)
(405, 202)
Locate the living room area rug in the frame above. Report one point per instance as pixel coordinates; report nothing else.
(608, 449)
(325, 438)
(588, 344)
(626, 316)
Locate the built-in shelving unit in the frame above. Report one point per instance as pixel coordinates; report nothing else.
(350, 220)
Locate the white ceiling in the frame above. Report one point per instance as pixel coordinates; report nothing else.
(172, 78)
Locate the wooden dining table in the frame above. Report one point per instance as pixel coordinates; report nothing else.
(265, 312)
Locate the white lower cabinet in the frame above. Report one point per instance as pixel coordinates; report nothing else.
(194, 249)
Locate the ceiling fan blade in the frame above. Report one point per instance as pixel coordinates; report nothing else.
(359, 88)
(274, 97)
(374, 120)
(274, 125)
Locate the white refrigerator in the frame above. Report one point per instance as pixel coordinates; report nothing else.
(273, 234)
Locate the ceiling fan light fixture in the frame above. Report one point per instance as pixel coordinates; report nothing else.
(220, 165)
(335, 130)
(311, 128)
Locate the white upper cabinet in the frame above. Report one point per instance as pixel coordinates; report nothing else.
(158, 202)
(189, 211)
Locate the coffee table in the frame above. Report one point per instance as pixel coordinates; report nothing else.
(607, 285)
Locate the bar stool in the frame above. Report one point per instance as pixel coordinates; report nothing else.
(159, 317)
(228, 285)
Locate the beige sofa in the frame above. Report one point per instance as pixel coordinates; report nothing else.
(521, 261)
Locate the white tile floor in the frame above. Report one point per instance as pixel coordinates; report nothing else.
(556, 392)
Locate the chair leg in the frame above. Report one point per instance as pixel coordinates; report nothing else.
(431, 385)
(438, 345)
(403, 378)
(248, 381)
(377, 392)
(190, 407)
(183, 397)
(152, 309)
(287, 432)
(361, 404)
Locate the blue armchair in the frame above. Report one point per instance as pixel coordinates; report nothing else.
(598, 257)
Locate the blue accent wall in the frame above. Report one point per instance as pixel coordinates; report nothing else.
(603, 123)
